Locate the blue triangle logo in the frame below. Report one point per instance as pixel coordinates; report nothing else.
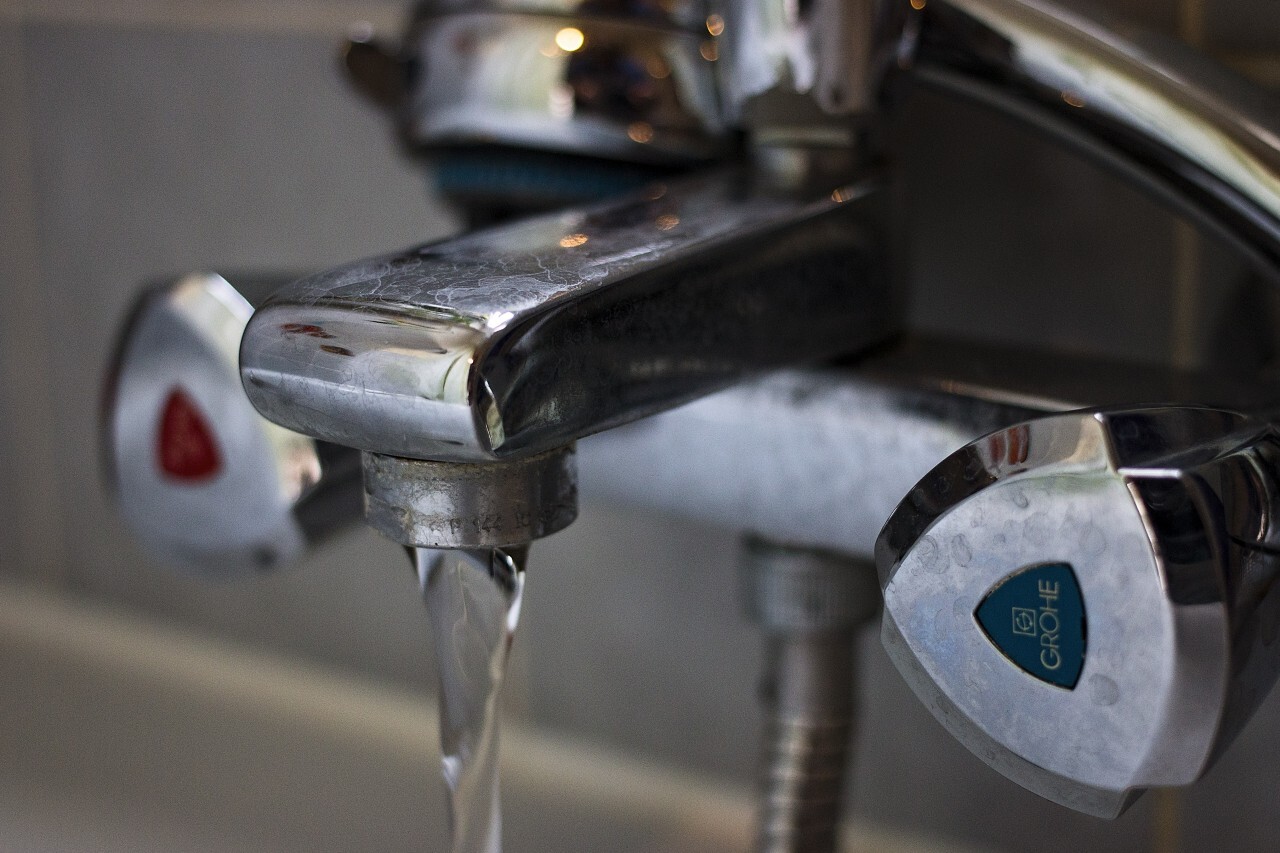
(1036, 618)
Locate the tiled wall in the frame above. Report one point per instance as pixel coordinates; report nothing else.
(147, 138)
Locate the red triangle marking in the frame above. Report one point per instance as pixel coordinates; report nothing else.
(185, 446)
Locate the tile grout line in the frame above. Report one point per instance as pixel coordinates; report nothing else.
(1166, 828)
(299, 17)
(1187, 282)
(309, 17)
(25, 343)
(1193, 23)
(314, 17)
(38, 537)
(1263, 66)
(1187, 285)
(388, 720)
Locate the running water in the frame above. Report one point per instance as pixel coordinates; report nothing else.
(473, 600)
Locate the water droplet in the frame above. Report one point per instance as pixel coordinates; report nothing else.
(1020, 499)
(930, 555)
(1103, 691)
(1037, 528)
(960, 550)
(1092, 540)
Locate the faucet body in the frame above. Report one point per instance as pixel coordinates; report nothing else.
(514, 340)
(518, 340)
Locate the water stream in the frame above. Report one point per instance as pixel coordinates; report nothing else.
(473, 600)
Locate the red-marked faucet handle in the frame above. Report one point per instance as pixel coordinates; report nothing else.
(200, 477)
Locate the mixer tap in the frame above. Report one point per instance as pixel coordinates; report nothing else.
(513, 342)
(748, 226)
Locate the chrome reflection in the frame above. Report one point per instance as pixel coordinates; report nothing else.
(586, 85)
(1167, 117)
(608, 313)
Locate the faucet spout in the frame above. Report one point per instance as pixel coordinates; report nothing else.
(516, 340)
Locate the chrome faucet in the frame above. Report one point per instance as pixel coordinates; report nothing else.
(489, 355)
(510, 343)
(520, 339)
(967, 548)
(515, 341)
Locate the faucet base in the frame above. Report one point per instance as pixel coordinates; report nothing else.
(470, 505)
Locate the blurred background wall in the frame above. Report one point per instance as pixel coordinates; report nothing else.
(143, 139)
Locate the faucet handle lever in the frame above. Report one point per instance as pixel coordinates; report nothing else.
(376, 68)
(1088, 601)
